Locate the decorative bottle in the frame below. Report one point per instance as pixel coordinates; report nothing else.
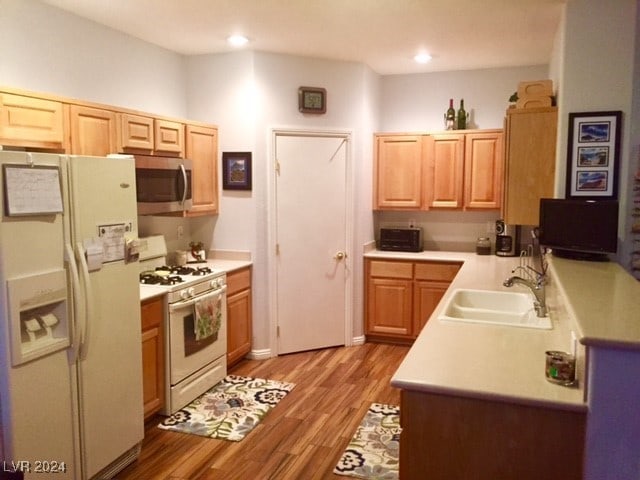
(450, 116)
(462, 116)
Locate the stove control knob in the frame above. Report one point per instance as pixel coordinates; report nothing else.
(187, 293)
(213, 283)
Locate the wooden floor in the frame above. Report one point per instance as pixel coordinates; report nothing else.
(303, 437)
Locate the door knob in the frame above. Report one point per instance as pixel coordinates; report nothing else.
(340, 255)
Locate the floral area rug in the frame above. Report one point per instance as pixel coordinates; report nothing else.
(230, 410)
(373, 452)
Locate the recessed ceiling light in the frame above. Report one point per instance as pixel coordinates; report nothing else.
(237, 40)
(422, 58)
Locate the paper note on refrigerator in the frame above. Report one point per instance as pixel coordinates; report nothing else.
(113, 241)
(32, 190)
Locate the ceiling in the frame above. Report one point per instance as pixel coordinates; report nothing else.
(384, 34)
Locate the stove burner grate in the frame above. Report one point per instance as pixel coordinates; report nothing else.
(202, 271)
(156, 279)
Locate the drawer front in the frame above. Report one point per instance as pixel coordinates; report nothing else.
(436, 271)
(391, 269)
(238, 280)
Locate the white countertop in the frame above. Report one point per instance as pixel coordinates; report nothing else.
(608, 306)
(482, 360)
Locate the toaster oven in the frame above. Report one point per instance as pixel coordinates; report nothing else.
(401, 239)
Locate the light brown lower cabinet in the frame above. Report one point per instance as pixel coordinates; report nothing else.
(152, 320)
(449, 437)
(401, 296)
(239, 318)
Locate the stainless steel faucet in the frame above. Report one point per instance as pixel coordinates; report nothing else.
(537, 288)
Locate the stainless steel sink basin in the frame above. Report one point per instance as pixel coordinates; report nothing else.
(512, 309)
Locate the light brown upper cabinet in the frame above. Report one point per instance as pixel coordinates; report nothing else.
(483, 172)
(42, 121)
(202, 150)
(461, 170)
(93, 131)
(445, 163)
(398, 172)
(135, 133)
(530, 138)
(168, 138)
(150, 136)
(31, 122)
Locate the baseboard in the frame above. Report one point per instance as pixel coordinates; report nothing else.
(263, 354)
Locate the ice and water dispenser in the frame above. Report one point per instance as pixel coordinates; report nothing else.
(38, 315)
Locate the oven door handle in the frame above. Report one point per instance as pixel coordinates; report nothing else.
(186, 303)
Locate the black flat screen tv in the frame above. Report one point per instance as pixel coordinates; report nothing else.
(579, 229)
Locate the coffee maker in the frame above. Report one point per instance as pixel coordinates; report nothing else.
(507, 239)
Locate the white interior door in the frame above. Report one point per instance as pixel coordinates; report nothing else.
(311, 241)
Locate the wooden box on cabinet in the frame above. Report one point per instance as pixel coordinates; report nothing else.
(239, 318)
(400, 296)
(530, 138)
(153, 371)
(31, 122)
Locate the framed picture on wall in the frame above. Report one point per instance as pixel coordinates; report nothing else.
(593, 154)
(236, 170)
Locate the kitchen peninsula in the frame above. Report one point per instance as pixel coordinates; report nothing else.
(475, 401)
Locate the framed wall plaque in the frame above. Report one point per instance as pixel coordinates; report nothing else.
(236, 170)
(593, 154)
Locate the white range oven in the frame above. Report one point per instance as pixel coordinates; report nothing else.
(195, 322)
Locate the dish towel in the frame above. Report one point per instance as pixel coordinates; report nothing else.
(208, 316)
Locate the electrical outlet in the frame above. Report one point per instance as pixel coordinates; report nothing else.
(412, 223)
(180, 231)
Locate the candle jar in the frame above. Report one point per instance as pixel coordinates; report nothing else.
(483, 246)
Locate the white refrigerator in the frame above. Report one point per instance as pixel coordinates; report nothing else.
(70, 344)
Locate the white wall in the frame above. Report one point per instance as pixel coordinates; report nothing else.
(598, 74)
(48, 50)
(418, 102)
(249, 94)
(600, 85)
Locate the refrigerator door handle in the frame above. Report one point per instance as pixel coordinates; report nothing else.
(77, 313)
(85, 324)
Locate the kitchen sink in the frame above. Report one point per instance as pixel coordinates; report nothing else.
(513, 309)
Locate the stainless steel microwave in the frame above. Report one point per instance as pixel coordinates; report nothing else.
(163, 184)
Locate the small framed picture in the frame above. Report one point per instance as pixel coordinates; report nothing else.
(593, 154)
(236, 170)
(312, 100)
